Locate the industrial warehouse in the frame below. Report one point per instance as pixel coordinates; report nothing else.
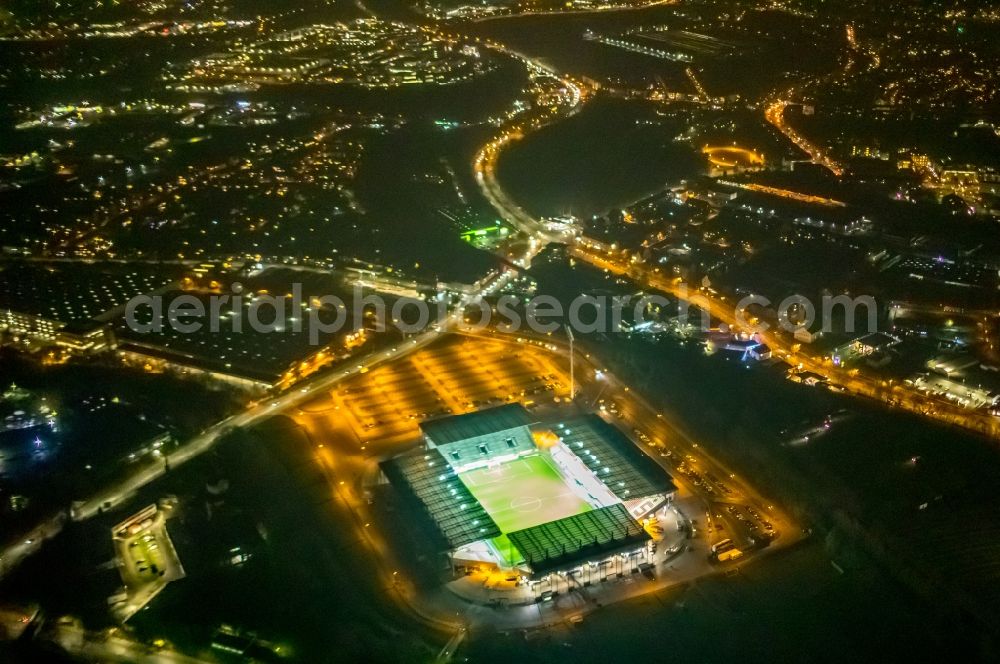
(509, 493)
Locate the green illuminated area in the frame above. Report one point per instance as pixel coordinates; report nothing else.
(486, 236)
(522, 493)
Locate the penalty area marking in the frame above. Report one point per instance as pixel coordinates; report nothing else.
(497, 472)
(488, 477)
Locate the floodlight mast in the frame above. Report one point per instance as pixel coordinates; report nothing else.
(572, 361)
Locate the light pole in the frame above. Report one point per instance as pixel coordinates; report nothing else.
(572, 362)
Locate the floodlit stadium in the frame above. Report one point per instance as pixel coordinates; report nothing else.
(507, 492)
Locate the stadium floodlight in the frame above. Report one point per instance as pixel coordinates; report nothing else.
(572, 361)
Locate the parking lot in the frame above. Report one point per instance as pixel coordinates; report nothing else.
(146, 558)
(380, 410)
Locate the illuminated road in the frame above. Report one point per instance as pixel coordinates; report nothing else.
(574, 12)
(699, 88)
(775, 111)
(775, 114)
(890, 393)
(485, 161)
(852, 381)
(27, 544)
(784, 193)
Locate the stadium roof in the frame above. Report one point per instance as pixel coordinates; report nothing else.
(479, 423)
(615, 459)
(567, 542)
(457, 514)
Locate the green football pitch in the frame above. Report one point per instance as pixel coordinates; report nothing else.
(523, 493)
